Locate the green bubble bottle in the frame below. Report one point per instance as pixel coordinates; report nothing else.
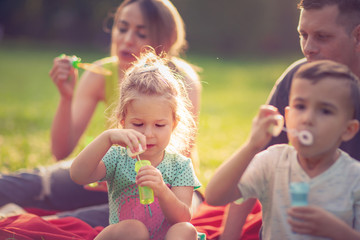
(146, 194)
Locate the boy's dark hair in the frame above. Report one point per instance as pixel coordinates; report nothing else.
(349, 10)
(318, 70)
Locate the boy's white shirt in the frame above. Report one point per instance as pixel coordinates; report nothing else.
(267, 178)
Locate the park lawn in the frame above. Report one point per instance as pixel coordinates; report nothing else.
(233, 90)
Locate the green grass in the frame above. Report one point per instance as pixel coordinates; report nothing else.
(233, 90)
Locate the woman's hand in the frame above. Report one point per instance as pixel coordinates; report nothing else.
(64, 76)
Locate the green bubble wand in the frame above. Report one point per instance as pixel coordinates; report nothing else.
(76, 63)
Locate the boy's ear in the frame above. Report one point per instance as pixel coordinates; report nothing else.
(356, 34)
(351, 129)
(122, 123)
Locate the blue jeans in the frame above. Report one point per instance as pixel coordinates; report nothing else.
(51, 188)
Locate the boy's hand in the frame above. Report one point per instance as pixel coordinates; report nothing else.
(314, 221)
(127, 138)
(260, 135)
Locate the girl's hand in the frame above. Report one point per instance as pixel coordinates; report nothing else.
(127, 138)
(64, 76)
(260, 135)
(314, 221)
(151, 177)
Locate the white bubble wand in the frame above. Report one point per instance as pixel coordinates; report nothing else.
(305, 137)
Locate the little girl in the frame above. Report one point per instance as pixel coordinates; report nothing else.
(154, 114)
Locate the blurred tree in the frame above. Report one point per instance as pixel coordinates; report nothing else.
(235, 27)
(225, 28)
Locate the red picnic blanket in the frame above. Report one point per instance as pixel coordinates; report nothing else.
(208, 219)
(32, 227)
(28, 226)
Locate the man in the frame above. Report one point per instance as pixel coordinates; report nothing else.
(328, 29)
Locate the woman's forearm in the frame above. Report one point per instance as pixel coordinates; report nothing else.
(61, 144)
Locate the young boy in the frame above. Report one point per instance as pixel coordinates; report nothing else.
(322, 103)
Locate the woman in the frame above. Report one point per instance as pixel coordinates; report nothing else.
(137, 23)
